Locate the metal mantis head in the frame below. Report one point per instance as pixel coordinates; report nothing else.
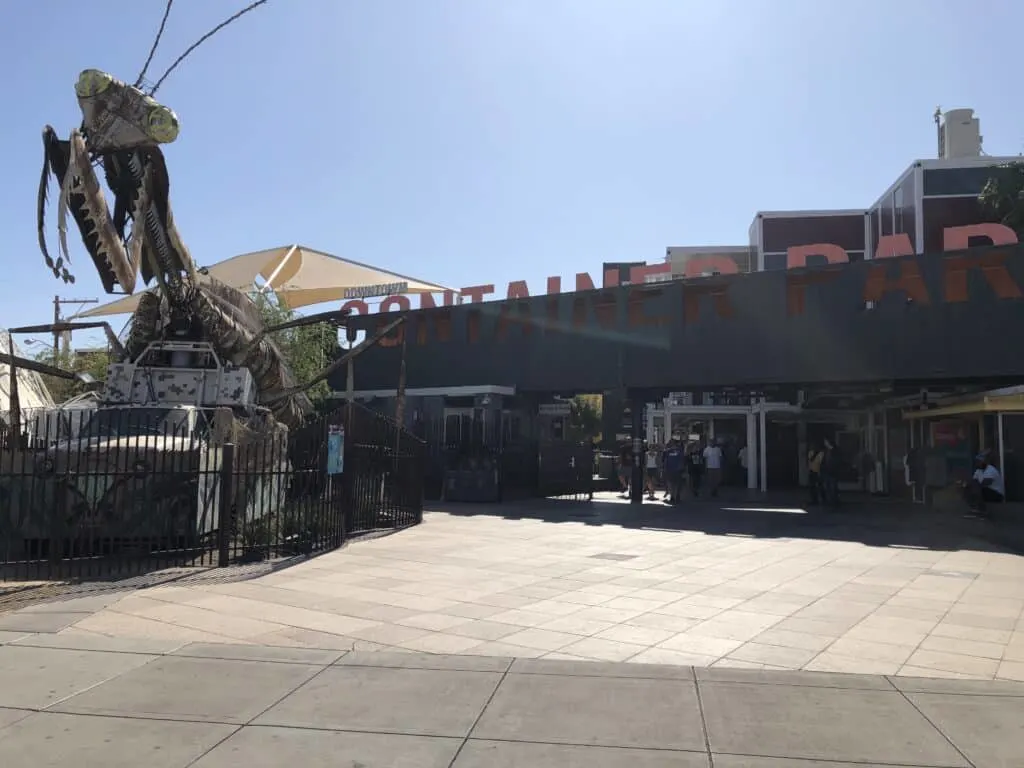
(117, 116)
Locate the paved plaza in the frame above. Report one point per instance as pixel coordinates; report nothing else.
(706, 585)
(547, 635)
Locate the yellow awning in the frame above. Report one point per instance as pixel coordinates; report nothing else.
(299, 276)
(983, 404)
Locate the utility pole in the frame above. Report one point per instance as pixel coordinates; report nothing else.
(57, 302)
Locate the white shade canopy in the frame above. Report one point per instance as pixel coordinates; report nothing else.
(32, 391)
(299, 276)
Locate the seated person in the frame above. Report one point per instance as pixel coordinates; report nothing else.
(986, 486)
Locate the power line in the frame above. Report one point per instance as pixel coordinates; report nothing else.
(203, 39)
(156, 42)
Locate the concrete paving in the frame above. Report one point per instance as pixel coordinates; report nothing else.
(882, 591)
(215, 706)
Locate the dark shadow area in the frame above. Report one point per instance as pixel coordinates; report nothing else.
(875, 522)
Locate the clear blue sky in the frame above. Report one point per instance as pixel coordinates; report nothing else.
(470, 141)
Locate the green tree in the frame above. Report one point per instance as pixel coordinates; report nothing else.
(93, 362)
(308, 349)
(585, 417)
(1003, 196)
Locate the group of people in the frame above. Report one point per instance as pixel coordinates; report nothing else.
(677, 465)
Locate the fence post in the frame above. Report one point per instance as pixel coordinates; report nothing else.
(224, 512)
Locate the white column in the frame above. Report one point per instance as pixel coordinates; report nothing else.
(752, 451)
(649, 434)
(762, 453)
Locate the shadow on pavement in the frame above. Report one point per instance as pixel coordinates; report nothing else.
(876, 522)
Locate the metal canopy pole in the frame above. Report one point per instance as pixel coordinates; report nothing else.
(636, 486)
(753, 453)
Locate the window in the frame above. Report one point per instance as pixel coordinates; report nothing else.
(956, 181)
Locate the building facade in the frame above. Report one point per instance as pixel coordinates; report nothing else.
(885, 360)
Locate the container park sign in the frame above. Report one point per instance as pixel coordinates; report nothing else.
(797, 257)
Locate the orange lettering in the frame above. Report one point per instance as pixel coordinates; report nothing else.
(583, 282)
(554, 285)
(797, 255)
(909, 281)
(993, 268)
(518, 290)
(611, 278)
(476, 293)
(712, 263)
(890, 246)
(959, 238)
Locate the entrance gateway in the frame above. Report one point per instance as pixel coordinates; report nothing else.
(772, 359)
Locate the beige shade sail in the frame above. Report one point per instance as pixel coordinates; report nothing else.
(299, 276)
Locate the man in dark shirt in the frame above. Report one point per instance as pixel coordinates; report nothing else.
(672, 462)
(695, 466)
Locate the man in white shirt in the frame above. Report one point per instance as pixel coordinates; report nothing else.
(713, 464)
(986, 486)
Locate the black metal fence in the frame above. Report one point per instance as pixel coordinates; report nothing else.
(382, 484)
(116, 492)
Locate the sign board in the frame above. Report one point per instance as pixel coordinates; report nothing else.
(381, 289)
(335, 449)
(553, 409)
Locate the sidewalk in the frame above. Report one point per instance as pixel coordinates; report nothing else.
(121, 703)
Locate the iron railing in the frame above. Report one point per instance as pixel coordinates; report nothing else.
(116, 492)
(382, 482)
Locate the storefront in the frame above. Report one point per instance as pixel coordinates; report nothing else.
(777, 437)
(945, 439)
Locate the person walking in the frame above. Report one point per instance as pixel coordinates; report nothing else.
(625, 468)
(713, 465)
(651, 471)
(830, 468)
(695, 468)
(672, 462)
(814, 458)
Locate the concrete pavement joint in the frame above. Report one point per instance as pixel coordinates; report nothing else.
(936, 727)
(703, 719)
(480, 714)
